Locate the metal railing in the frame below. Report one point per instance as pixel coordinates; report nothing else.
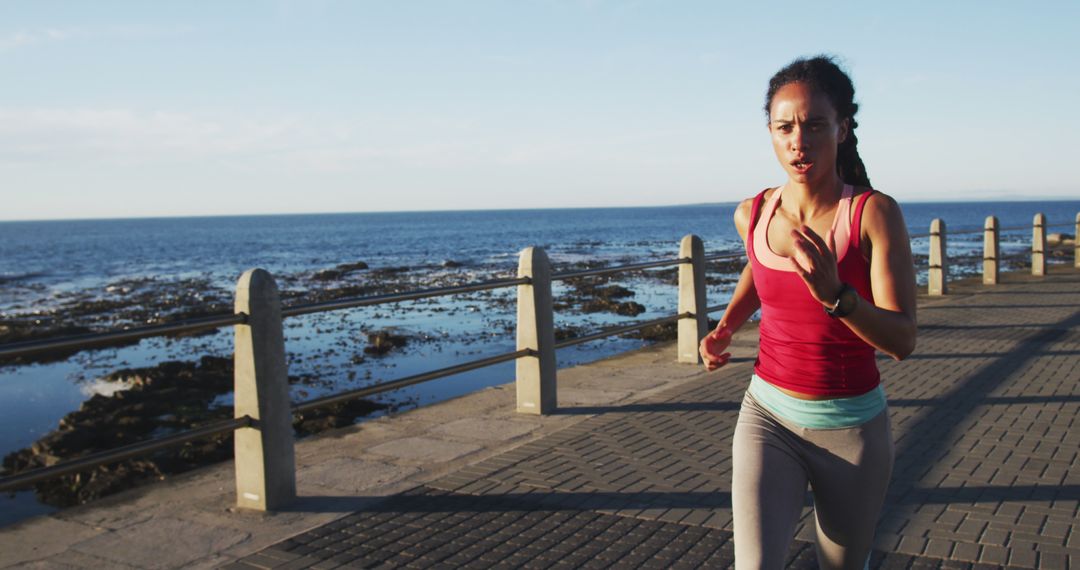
(243, 319)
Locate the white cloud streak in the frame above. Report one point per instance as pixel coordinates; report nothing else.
(22, 39)
(38, 136)
(33, 135)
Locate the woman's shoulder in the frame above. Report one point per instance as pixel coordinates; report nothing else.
(878, 203)
(745, 210)
(881, 217)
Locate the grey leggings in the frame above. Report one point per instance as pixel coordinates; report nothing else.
(848, 471)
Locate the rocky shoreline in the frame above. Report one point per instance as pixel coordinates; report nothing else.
(150, 403)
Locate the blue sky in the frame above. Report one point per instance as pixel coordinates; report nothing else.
(119, 109)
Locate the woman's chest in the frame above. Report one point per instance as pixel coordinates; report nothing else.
(781, 228)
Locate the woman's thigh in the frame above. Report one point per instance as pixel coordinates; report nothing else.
(768, 489)
(849, 475)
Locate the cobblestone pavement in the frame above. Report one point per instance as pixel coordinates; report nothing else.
(987, 472)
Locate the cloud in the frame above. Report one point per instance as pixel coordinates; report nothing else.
(35, 137)
(14, 41)
(31, 135)
(21, 39)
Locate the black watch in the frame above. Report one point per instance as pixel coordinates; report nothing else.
(846, 301)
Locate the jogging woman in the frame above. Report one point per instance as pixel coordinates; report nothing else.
(831, 270)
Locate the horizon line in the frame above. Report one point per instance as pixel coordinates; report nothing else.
(272, 214)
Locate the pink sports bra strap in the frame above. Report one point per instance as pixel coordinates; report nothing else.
(856, 223)
(755, 213)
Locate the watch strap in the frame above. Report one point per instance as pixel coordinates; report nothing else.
(836, 311)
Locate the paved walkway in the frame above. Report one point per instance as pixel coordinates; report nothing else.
(635, 469)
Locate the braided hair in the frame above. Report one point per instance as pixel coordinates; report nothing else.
(823, 74)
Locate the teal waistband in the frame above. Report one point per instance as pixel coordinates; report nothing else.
(819, 414)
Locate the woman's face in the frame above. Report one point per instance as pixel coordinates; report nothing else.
(805, 133)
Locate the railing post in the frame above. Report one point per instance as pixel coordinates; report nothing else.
(1038, 245)
(265, 461)
(692, 299)
(1076, 242)
(939, 263)
(535, 331)
(991, 251)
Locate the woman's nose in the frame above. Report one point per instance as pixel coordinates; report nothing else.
(798, 142)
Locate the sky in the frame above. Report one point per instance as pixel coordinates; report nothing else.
(133, 109)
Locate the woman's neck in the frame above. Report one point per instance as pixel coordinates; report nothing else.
(808, 201)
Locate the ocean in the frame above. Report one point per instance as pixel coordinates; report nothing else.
(58, 272)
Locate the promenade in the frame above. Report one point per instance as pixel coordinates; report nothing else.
(635, 468)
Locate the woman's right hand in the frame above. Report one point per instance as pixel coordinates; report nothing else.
(712, 348)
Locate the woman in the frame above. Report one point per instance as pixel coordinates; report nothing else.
(831, 270)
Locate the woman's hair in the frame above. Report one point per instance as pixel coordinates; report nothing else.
(821, 73)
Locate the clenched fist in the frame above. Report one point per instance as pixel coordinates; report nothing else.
(712, 348)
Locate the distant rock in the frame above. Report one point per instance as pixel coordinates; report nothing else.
(339, 271)
(567, 332)
(629, 309)
(327, 275)
(626, 308)
(384, 341)
(350, 267)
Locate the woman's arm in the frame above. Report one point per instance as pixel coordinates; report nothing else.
(887, 324)
(744, 302)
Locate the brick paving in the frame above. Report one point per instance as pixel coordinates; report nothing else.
(987, 470)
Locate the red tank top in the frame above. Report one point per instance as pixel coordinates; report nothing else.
(802, 348)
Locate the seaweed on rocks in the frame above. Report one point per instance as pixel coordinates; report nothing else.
(120, 304)
(382, 342)
(149, 301)
(625, 308)
(568, 332)
(596, 295)
(171, 397)
(339, 271)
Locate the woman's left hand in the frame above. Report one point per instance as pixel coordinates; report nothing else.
(815, 262)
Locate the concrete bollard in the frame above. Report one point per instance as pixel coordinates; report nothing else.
(991, 251)
(1038, 245)
(1076, 242)
(265, 460)
(692, 299)
(939, 263)
(536, 387)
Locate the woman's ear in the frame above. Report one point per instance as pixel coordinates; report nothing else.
(842, 133)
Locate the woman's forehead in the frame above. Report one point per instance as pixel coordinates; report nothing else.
(799, 100)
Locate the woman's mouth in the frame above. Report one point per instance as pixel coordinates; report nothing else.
(802, 166)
